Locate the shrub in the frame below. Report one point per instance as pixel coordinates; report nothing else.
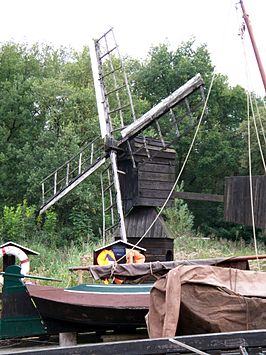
(18, 223)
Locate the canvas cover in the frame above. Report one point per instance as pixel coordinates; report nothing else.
(136, 271)
(195, 299)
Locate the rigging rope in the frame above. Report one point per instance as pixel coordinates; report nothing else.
(260, 120)
(257, 133)
(251, 185)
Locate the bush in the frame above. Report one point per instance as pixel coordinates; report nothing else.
(18, 223)
(180, 220)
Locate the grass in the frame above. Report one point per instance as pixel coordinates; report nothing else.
(54, 262)
(191, 247)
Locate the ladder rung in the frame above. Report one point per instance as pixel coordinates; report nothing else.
(107, 53)
(108, 167)
(109, 207)
(108, 187)
(119, 109)
(105, 34)
(115, 89)
(112, 227)
(111, 72)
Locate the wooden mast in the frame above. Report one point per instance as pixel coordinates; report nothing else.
(254, 45)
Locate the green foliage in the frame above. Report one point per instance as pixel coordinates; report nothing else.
(17, 223)
(82, 229)
(50, 223)
(179, 218)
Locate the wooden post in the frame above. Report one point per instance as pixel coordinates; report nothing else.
(80, 277)
(67, 339)
(118, 196)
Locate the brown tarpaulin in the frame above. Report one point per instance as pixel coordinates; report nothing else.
(198, 299)
(156, 268)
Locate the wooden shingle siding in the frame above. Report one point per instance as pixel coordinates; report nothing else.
(149, 183)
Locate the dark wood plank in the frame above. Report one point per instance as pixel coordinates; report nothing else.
(198, 196)
(163, 194)
(155, 167)
(155, 185)
(158, 202)
(156, 176)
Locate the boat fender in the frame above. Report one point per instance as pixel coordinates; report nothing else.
(134, 256)
(106, 257)
(23, 258)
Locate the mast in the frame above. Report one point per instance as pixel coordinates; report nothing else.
(254, 45)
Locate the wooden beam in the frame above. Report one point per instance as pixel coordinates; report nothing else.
(161, 108)
(207, 342)
(198, 196)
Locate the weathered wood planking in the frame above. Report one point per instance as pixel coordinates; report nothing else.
(198, 196)
(237, 204)
(150, 182)
(230, 342)
(165, 168)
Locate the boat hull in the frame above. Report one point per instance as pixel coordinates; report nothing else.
(92, 309)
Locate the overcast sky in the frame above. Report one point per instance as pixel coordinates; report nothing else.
(139, 24)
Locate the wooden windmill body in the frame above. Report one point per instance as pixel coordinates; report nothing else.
(140, 169)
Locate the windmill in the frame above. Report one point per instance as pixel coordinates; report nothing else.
(134, 155)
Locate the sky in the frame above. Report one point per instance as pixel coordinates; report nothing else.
(140, 24)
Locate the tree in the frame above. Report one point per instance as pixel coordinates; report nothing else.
(47, 113)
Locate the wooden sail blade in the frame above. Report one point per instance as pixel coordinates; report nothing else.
(72, 185)
(161, 108)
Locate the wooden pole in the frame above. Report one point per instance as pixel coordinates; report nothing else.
(254, 45)
(118, 196)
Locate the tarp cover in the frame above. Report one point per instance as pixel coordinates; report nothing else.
(155, 268)
(199, 299)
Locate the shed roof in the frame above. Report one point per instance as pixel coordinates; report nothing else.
(125, 244)
(26, 250)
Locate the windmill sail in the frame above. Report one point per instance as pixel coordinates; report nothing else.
(126, 142)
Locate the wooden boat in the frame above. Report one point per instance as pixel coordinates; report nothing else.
(96, 306)
(30, 309)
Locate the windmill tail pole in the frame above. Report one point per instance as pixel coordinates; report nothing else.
(254, 45)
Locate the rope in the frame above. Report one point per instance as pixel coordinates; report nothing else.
(251, 186)
(257, 133)
(260, 120)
